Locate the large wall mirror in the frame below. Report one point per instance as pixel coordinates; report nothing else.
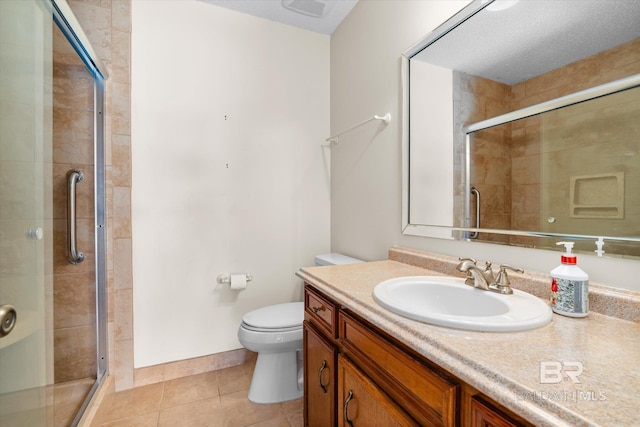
(521, 125)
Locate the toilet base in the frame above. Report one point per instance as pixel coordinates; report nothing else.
(275, 378)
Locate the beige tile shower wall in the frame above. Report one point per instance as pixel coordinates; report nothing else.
(565, 141)
(490, 151)
(107, 24)
(73, 285)
(616, 63)
(525, 184)
(572, 139)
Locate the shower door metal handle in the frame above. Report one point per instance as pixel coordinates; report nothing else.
(73, 255)
(475, 191)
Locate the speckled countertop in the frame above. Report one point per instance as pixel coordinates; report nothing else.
(506, 366)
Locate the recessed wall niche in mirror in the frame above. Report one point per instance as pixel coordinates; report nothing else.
(522, 125)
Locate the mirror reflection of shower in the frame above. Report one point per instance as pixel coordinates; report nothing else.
(548, 173)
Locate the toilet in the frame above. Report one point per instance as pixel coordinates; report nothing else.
(275, 333)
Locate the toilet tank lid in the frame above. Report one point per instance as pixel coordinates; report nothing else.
(277, 316)
(335, 259)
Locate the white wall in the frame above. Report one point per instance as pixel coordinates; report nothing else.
(228, 114)
(431, 159)
(366, 169)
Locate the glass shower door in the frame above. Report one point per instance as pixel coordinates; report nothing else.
(26, 225)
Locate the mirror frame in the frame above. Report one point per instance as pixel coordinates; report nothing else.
(460, 233)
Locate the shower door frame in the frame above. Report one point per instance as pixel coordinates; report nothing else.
(71, 29)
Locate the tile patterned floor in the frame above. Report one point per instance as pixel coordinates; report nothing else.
(211, 399)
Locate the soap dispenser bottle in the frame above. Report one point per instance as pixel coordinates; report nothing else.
(569, 286)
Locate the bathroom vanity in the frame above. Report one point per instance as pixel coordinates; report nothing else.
(365, 365)
(373, 371)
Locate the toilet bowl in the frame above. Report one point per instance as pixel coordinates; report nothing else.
(275, 333)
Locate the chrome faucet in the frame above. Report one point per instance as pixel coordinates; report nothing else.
(485, 279)
(476, 277)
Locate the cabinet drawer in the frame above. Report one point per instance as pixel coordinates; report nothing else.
(427, 396)
(321, 312)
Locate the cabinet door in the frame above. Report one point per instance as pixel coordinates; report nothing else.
(319, 379)
(362, 403)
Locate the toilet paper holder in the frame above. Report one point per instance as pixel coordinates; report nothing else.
(225, 279)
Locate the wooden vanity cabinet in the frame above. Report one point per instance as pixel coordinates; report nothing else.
(357, 375)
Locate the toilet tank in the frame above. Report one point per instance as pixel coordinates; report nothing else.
(335, 259)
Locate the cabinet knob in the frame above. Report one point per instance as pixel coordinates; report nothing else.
(317, 309)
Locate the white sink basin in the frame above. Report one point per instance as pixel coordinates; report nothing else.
(447, 301)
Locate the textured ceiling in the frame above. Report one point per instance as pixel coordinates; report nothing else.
(273, 10)
(534, 37)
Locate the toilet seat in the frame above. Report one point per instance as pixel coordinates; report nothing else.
(270, 330)
(275, 318)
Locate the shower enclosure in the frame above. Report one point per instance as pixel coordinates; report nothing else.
(52, 227)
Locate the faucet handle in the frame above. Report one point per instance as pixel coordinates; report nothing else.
(505, 267)
(487, 267)
(502, 283)
(488, 272)
(473, 260)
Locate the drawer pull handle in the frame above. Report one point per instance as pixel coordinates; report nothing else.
(317, 309)
(346, 408)
(322, 368)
